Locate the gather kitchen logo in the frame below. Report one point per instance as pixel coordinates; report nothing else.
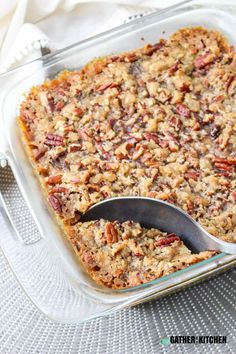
(193, 340)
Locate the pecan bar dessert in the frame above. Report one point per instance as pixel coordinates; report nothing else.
(158, 122)
(121, 255)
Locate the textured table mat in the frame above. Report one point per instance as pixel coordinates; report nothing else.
(204, 309)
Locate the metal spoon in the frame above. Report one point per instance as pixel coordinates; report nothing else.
(158, 214)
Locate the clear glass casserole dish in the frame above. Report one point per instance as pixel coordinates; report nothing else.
(40, 257)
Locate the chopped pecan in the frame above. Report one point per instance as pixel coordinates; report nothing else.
(185, 88)
(102, 151)
(218, 98)
(196, 126)
(131, 57)
(175, 122)
(90, 261)
(152, 136)
(215, 131)
(55, 203)
(54, 179)
(233, 194)
(28, 116)
(190, 205)
(75, 219)
(111, 233)
(203, 60)
(104, 87)
(167, 240)
(40, 153)
(79, 112)
(53, 140)
(183, 110)
(58, 190)
(59, 105)
(173, 68)
(229, 82)
(83, 134)
(164, 143)
(150, 49)
(74, 147)
(112, 122)
(147, 156)
(192, 175)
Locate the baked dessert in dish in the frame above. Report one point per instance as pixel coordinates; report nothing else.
(121, 255)
(157, 121)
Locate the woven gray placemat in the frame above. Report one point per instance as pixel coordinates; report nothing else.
(204, 309)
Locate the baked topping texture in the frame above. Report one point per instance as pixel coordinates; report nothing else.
(158, 121)
(122, 255)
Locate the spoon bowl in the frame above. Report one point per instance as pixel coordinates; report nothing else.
(155, 213)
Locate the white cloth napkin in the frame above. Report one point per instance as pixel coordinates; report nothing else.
(28, 25)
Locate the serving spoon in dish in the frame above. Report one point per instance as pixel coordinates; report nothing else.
(155, 213)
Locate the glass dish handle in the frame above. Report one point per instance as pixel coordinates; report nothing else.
(12, 212)
(6, 220)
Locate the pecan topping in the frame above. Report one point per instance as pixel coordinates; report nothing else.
(225, 164)
(111, 233)
(215, 131)
(59, 105)
(103, 87)
(83, 134)
(54, 179)
(183, 110)
(54, 140)
(55, 203)
(167, 240)
(28, 116)
(89, 260)
(150, 49)
(192, 175)
(152, 136)
(79, 112)
(234, 196)
(203, 60)
(173, 68)
(58, 190)
(74, 147)
(40, 153)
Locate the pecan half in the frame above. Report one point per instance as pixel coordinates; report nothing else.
(167, 240)
(55, 203)
(54, 140)
(111, 233)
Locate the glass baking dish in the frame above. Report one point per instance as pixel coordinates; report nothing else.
(44, 264)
